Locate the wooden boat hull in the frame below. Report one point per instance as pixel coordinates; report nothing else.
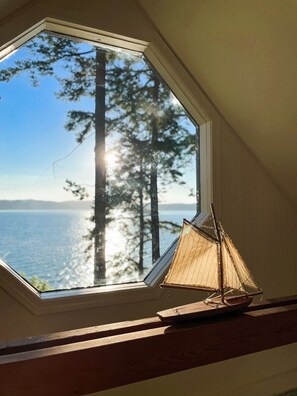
(202, 309)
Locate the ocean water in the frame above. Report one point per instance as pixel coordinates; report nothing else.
(51, 245)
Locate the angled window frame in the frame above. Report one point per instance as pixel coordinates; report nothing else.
(174, 75)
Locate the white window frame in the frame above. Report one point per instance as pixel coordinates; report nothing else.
(181, 84)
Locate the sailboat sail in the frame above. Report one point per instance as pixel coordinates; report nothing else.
(236, 274)
(195, 264)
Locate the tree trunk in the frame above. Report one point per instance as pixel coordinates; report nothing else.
(198, 181)
(154, 177)
(100, 172)
(141, 219)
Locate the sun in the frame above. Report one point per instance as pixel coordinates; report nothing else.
(111, 159)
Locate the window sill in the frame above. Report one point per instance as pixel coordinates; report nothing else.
(67, 300)
(98, 358)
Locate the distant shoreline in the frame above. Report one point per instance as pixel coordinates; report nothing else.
(31, 204)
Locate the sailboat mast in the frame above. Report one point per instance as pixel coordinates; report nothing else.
(221, 269)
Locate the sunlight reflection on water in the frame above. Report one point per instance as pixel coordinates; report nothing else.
(51, 246)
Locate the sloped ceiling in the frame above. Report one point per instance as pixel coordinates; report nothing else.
(243, 53)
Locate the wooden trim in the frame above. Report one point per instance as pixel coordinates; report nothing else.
(94, 35)
(78, 335)
(89, 360)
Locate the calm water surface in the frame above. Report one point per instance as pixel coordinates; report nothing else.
(51, 244)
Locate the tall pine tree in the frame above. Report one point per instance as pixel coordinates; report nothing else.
(135, 115)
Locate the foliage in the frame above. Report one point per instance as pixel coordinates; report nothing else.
(41, 285)
(77, 190)
(142, 123)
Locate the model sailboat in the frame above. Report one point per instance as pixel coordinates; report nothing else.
(209, 263)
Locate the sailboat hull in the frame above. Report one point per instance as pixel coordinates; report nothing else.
(204, 309)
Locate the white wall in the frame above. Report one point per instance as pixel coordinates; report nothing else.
(259, 218)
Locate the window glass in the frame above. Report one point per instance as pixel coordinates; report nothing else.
(99, 164)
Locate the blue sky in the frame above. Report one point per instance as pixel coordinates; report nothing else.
(33, 138)
(34, 143)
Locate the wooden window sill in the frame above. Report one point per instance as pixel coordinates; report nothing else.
(102, 357)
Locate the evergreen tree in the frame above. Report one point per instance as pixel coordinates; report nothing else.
(155, 143)
(83, 76)
(134, 113)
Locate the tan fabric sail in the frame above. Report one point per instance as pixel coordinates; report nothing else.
(231, 276)
(195, 263)
(236, 273)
